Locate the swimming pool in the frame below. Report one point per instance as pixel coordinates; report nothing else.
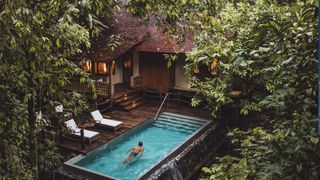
(161, 137)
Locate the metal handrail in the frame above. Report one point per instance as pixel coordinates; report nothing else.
(160, 106)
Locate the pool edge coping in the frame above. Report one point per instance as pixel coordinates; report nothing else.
(71, 166)
(178, 147)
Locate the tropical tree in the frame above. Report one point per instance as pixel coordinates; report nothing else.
(266, 50)
(37, 40)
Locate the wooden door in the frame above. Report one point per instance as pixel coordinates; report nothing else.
(154, 72)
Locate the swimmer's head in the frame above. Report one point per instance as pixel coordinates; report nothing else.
(140, 143)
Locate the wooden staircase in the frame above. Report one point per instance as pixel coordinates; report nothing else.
(103, 103)
(129, 101)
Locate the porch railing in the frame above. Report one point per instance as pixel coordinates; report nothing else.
(135, 81)
(102, 88)
(173, 97)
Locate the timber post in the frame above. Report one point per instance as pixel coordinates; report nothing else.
(95, 102)
(110, 85)
(143, 93)
(60, 135)
(82, 138)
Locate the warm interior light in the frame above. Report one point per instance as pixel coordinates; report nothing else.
(196, 69)
(102, 68)
(113, 67)
(127, 63)
(87, 66)
(213, 66)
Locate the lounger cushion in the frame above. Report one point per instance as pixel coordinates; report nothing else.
(107, 122)
(96, 115)
(71, 124)
(87, 133)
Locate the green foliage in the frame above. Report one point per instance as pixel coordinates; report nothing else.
(289, 151)
(114, 41)
(259, 45)
(37, 41)
(49, 159)
(171, 58)
(267, 50)
(236, 168)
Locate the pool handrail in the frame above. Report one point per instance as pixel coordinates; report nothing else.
(155, 117)
(71, 166)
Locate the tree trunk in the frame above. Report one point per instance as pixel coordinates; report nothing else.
(33, 137)
(32, 124)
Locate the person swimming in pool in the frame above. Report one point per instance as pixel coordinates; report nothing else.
(135, 151)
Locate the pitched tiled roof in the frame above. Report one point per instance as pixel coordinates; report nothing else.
(159, 42)
(133, 32)
(130, 30)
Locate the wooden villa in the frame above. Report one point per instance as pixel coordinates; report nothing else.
(136, 71)
(137, 63)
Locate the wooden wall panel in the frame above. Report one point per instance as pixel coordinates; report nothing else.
(154, 71)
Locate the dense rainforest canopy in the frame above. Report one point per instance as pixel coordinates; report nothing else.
(266, 49)
(37, 40)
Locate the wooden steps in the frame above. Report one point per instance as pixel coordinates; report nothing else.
(134, 105)
(129, 101)
(103, 103)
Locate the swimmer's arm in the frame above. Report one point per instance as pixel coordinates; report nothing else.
(140, 154)
(129, 150)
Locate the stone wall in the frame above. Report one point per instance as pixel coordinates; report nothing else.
(193, 157)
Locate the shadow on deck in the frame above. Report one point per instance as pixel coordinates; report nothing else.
(130, 119)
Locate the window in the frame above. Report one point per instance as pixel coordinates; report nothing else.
(102, 68)
(87, 65)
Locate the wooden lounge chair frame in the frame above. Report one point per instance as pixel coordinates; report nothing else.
(105, 122)
(73, 126)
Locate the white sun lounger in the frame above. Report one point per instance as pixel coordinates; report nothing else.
(89, 135)
(109, 123)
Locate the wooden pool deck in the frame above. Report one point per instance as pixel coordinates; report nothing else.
(130, 119)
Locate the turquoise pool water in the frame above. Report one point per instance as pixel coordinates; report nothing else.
(160, 138)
